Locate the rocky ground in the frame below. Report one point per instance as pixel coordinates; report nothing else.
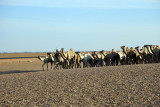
(25, 84)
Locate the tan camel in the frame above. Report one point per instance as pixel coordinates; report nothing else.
(126, 51)
(139, 51)
(142, 54)
(72, 59)
(138, 57)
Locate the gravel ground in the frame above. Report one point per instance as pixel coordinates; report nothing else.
(131, 85)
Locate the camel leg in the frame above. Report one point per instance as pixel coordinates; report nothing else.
(51, 65)
(55, 65)
(75, 66)
(47, 66)
(43, 66)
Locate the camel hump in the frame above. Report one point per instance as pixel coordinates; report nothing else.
(71, 53)
(71, 49)
(123, 46)
(113, 50)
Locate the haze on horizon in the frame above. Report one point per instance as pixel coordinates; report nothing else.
(84, 25)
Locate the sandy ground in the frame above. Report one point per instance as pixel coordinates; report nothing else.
(23, 83)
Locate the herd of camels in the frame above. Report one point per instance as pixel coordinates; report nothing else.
(71, 59)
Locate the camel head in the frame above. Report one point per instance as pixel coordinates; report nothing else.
(62, 49)
(154, 46)
(145, 45)
(95, 52)
(102, 51)
(124, 50)
(141, 49)
(137, 47)
(131, 49)
(158, 47)
(122, 47)
(57, 50)
(39, 58)
(127, 49)
(49, 54)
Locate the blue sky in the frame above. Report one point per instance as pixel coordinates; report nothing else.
(84, 25)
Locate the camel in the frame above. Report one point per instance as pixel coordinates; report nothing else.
(147, 54)
(60, 60)
(101, 57)
(70, 59)
(47, 59)
(79, 60)
(138, 50)
(73, 59)
(81, 56)
(141, 53)
(156, 52)
(122, 56)
(95, 59)
(126, 51)
(112, 58)
(138, 57)
(87, 59)
(133, 57)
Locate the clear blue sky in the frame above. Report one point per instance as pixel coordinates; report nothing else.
(84, 25)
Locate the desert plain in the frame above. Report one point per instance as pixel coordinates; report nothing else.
(24, 83)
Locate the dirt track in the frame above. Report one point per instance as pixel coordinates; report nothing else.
(22, 83)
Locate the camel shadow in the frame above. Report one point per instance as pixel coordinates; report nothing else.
(18, 71)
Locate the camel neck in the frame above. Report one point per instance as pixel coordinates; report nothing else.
(149, 50)
(139, 51)
(124, 50)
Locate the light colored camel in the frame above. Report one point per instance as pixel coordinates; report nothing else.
(122, 56)
(156, 52)
(101, 57)
(148, 55)
(87, 59)
(72, 58)
(47, 59)
(68, 59)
